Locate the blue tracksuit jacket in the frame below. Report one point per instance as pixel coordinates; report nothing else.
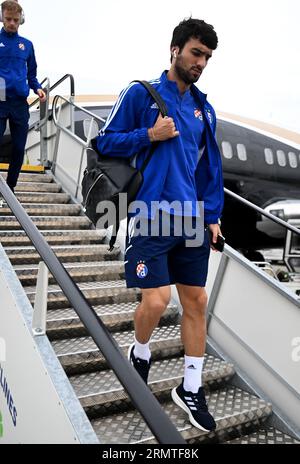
(126, 133)
(17, 65)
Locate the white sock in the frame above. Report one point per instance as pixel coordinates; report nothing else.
(192, 373)
(142, 350)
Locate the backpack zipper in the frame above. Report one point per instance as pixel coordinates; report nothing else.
(89, 190)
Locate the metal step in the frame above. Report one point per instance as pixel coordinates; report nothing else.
(53, 237)
(265, 436)
(26, 177)
(38, 187)
(64, 323)
(86, 272)
(47, 222)
(108, 292)
(100, 393)
(81, 355)
(72, 253)
(46, 210)
(43, 198)
(234, 410)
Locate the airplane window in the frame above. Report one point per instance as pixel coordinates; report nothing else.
(281, 158)
(242, 153)
(293, 159)
(269, 157)
(227, 150)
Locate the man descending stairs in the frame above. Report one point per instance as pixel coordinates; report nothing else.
(240, 416)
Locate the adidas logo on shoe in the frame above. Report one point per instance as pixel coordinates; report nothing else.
(194, 404)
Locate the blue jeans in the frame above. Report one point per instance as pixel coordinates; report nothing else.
(15, 110)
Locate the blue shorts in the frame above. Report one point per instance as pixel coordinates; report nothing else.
(156, 260)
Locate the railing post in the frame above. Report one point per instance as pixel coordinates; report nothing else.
(40, 302)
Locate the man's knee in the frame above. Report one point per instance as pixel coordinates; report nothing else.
(195, 303)
(156, 301)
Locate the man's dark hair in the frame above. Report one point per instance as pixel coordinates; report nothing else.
(197, 29)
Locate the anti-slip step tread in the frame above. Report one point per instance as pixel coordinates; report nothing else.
(93, 286)
(43, 198)
(113, 294)
(114, 310)
(46, 222)
(72, 253)
(85, 345)
(53, 237)
(231, 408)
(105, 292)
(46, 210)
(27, 177)
(91, 273)
(37, 187)
(265, 436)
(104, 264)
(103, 387)
(61, 248)
(116, 318)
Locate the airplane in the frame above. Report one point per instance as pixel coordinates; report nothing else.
(261, 163)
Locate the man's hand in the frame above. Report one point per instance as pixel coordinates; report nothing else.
(163, 129)
(215, 230)
(42, 95)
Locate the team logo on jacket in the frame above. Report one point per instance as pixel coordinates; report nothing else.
(198, 114)
(210, 116)
(141, 270)
(21, 46)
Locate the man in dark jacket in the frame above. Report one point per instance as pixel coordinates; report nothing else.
(17, 76)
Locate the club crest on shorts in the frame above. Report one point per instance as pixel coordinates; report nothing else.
(141, 270)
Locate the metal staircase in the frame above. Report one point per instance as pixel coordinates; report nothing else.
(240, 416)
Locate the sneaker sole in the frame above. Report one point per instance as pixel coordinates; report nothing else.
(183, 406)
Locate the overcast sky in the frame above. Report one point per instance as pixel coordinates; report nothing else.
(105, 44)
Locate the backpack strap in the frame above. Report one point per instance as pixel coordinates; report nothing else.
(164, 112)
(156, 97)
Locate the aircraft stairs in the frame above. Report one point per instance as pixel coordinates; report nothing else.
(245, 412)
(241, 416)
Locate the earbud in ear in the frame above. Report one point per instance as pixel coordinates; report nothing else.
(175, 54)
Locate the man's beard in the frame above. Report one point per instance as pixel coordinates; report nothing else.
(185, 76)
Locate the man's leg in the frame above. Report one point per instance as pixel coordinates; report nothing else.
(18, 122)
(193, 333)
(193, 323)
(147, 316)
(190, 394)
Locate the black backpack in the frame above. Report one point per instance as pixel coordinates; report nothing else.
(106, 177)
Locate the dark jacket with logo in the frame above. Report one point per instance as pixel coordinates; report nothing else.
(17, 65)
(126, 133)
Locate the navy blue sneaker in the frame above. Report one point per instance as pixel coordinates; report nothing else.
(141, 365)
(196, 407)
